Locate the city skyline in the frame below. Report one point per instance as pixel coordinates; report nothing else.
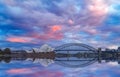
(72, 55)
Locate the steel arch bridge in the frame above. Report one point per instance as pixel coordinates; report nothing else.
(74, 55)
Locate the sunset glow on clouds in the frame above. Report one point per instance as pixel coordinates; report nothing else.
(98, 7)
(44, 21)
(19, 39)
(56, 28)
(31, 23)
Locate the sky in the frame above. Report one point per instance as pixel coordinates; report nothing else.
(25, 24)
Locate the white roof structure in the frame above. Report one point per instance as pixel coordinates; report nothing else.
(44, 48)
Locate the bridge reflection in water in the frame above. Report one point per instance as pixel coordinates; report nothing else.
(68, 55)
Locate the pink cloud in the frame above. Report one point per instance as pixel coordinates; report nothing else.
(47, 36)
(93, 14)
(98, 7)
(56, 28)
(71, 22)
(19, 39)
(97, 11)
(54, 32)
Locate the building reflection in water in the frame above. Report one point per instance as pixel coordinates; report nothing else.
(71, 55)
